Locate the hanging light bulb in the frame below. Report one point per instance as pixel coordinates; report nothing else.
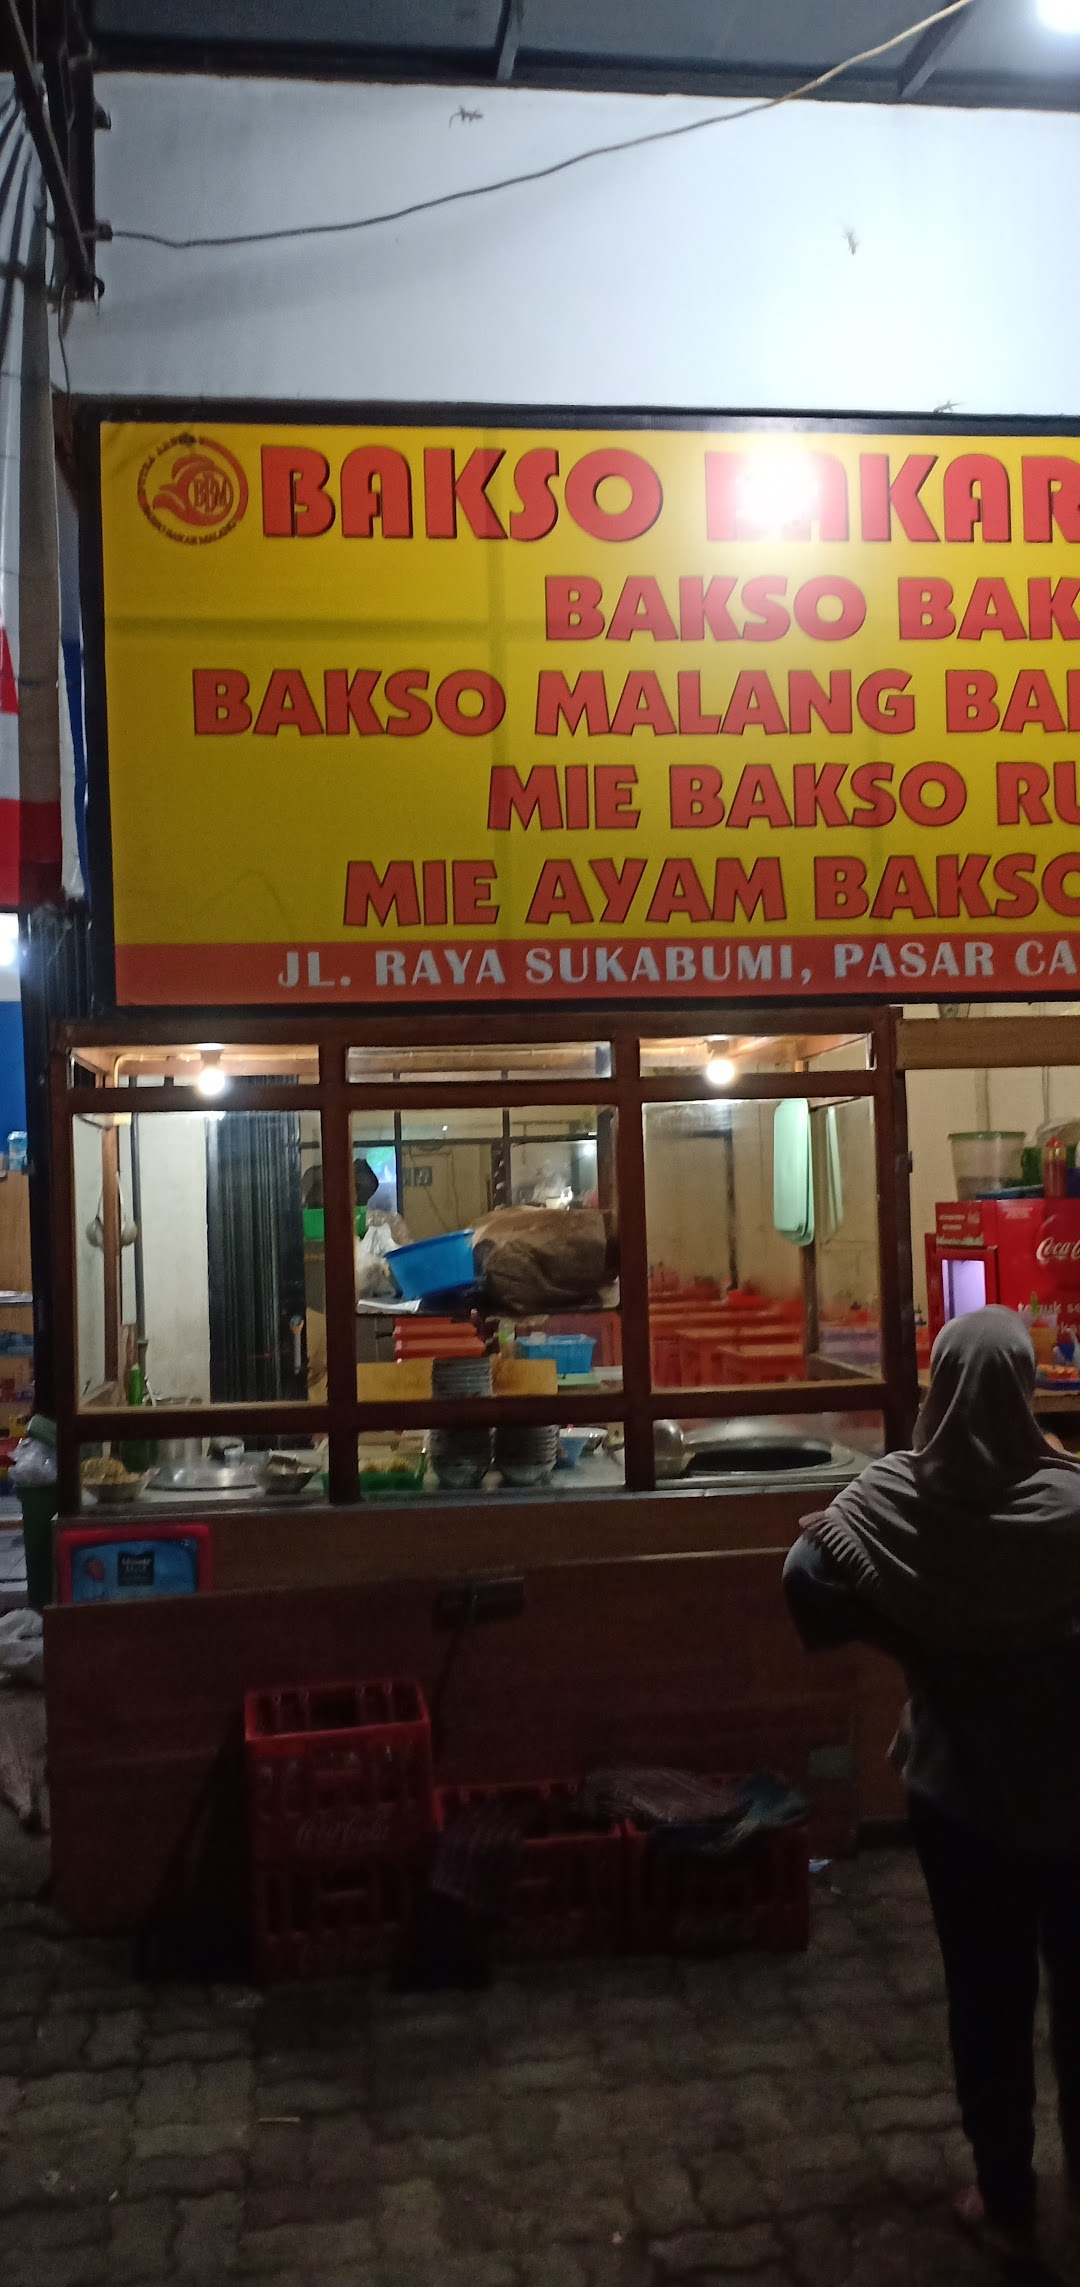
(720, 1071)
(211, 1080)
(1060, 15)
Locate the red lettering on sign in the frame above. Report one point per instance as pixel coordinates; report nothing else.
(296, 504)
(839, 889)
(391, 896)
(559, 701)
(694, 795)
(376, 488)
(446, 489)
(220, 695)
(583, 487)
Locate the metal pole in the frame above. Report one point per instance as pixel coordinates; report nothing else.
(136, 1217)
(28, 87)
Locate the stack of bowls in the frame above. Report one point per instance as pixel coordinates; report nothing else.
(526, 1452)
(461, 1458)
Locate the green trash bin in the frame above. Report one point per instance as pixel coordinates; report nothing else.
(39, 1505)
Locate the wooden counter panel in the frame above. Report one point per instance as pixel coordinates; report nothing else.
(310, 1547)
(684, 1659)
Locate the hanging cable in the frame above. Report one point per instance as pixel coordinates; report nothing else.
(543, 174)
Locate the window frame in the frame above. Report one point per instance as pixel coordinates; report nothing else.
(334, 1097)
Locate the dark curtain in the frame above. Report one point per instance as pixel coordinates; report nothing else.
(255, 1242)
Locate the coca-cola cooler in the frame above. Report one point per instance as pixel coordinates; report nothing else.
(1013, 1251)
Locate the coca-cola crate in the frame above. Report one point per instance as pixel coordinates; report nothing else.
(337, 1771)
(567, 1894)
(685, 1902)
(336, 1921)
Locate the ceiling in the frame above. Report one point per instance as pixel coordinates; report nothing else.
(997, 52)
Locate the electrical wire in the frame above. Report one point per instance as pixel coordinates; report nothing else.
(543, 174)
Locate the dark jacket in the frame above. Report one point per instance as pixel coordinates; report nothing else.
(992, 1740)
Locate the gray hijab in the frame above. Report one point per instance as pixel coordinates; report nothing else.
(972, 1540)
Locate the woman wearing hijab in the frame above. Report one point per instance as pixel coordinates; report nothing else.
(962, 1560)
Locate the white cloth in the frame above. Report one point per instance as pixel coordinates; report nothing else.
(385, 1231)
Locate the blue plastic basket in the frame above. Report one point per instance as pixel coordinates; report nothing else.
(433, 1266)
(572, 1353)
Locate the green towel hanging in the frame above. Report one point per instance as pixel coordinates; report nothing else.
(793, 1172)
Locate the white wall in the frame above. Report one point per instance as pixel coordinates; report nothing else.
(714, 271)
(172, 1161)
(173, 1164)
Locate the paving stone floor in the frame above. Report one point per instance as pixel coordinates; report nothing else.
(752, 2122)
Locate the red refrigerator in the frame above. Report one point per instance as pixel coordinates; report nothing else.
(1014, 1251)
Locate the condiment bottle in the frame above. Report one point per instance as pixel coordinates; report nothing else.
(1054, 1169)
(137, 1454)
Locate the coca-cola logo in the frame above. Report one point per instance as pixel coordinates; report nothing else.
(344, 1831)
(193, 489)
(1051, 1250)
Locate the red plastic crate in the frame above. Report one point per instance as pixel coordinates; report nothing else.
(569, 1893)
(334, 1921)
(337, 1771)
(684, 1903)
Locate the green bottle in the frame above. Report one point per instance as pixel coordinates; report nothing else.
(138, 1454)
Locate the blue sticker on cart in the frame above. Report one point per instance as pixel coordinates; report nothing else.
(105, 1570)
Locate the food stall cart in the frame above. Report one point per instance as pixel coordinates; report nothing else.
(629, 1616)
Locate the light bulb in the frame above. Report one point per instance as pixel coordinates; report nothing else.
(1060, 15)
(775, 489)
(720, 1072)
(212, 1081)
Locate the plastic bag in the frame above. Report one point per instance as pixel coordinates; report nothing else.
(34, 1463)
(22, 1647)
(683, 1813)
(383, 1234)
(541, 1259)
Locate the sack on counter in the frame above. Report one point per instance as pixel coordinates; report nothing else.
(538, 1258)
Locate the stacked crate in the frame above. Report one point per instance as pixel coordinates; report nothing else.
(341, 1810)
(568, 1895)
(344, 1819)
(689, 1903)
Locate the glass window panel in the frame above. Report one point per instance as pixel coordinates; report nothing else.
(542, 1060)
(761, 1224)
(453, 1467)
(720, 1057)
(215, 1233)
(825, 1449)
(141, 1478)
(846, 1250)
(457, 1167)
(207, 1065)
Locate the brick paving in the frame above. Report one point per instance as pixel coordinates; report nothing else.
(752, 2122)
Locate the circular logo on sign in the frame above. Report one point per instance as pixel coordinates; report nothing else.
(193, 489)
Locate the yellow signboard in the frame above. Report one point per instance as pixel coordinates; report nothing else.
(450, 713)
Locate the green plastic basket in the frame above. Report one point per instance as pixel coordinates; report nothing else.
(315, 1225)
